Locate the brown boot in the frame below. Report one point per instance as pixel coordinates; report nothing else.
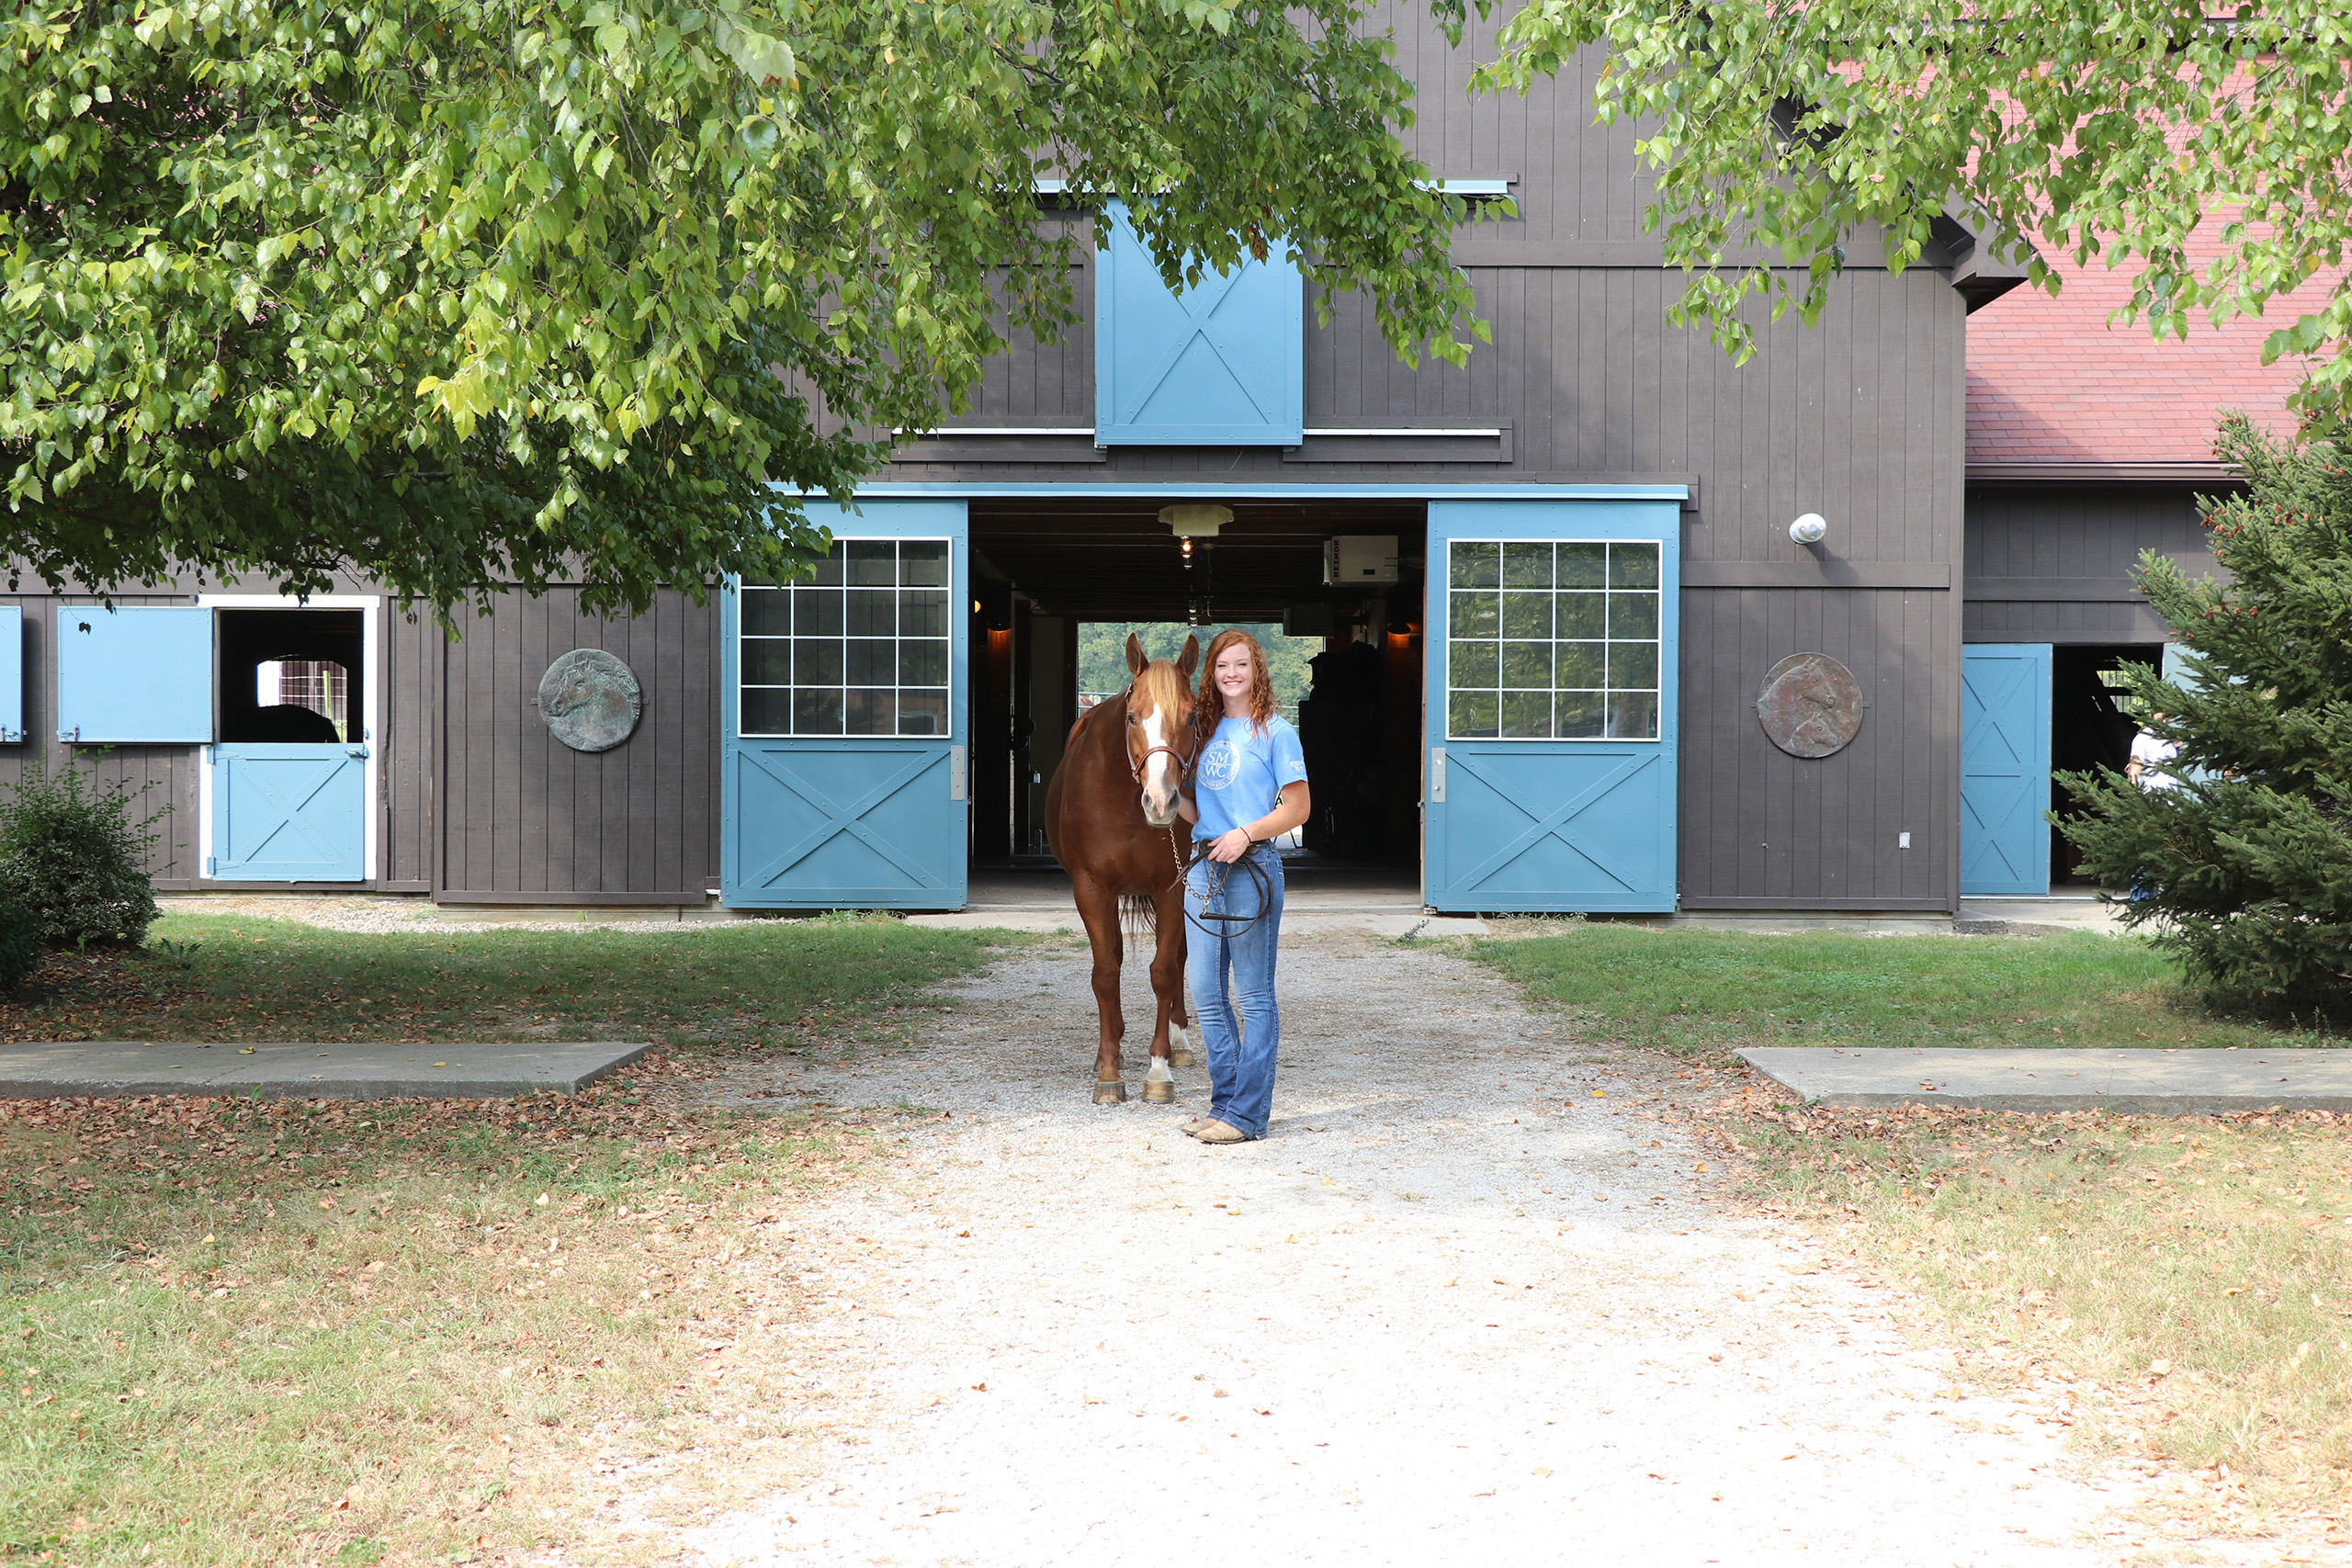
(1218, 1133)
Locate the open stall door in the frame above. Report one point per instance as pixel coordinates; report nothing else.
(1551, 706)
(843, 778)
(2004, 770)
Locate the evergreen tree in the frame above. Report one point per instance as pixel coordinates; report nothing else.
(2244, 868)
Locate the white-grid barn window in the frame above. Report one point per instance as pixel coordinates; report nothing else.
(1552, 639)
(859, 649)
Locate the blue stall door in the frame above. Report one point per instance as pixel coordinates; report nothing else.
(289, 813)
(2004, 770)
(865, 824)
(1552, 705)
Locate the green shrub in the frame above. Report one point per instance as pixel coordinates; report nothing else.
(72, 856)
(20, 946)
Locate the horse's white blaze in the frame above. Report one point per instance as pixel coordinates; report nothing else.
(1159, 1073)
(1159, 773)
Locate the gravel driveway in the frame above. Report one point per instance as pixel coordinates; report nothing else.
(1455, 1309)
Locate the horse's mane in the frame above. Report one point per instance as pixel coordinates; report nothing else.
(1162, 687)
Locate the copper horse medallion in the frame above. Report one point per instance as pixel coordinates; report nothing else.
(1811, 705)
(589, 700)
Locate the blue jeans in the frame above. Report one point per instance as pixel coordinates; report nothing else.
(1240, 1050)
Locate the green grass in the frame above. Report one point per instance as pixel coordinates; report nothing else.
(756, 984)
(1705, 992)
(294, 1333)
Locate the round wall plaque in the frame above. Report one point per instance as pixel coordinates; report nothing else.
(1811, 704)
(589, 700)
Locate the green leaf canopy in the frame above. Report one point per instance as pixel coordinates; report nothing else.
(464, 295)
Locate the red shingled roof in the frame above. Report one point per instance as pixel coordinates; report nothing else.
(2050, 381)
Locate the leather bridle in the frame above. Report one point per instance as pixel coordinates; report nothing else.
(1136, 765)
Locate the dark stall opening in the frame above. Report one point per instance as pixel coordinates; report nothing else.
(2090, 727)
(290, 676)
(1059, 585)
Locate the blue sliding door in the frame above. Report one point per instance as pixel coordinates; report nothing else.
(843, 745)
(289, 813)
(2004, 770)
(1551, 706)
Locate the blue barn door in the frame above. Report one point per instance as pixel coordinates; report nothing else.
(842, 783)
(2004, 770)
(1222, 364)
(289, 813)
(1551, 706)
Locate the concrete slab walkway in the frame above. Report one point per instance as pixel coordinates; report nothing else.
(2150, 1082)
(120, 1068)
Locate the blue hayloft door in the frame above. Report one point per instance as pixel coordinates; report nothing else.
(843, 771)
(1222, 364)
(1551, 706)
(2004, 770)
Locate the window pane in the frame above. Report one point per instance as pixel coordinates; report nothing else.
(766, 711)
(1471, 664)
(816, 712)
(1576, 715)
(1527, 614)
(871, 712)
(922, 663)
(1633, 715)
(873, 661)
(1633, 615)
(1582, 566)
(1580, 615)
(1526, 716)
(922, 713)
(817, 612)
(1632, 566)
(767, 661)
(1475, 615)
(1476, 565)
(1632, 665)
(1527, 566)
(816, 661)
(871, 613)
(829, 567)
(923, 563)
(1470, 715)
(1580, 667)
(873, 563)
(1528, 665)
(922, 611)
(767, 612)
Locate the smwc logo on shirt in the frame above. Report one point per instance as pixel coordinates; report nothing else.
(1219, 765)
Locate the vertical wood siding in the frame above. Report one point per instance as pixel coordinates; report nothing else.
(520, 813)
(2087, 535)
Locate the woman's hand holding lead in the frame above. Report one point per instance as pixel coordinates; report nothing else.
(1230, 846)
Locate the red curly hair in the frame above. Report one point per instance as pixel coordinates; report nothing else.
(1209, 711)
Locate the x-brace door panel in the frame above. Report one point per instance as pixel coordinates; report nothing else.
(288, 813)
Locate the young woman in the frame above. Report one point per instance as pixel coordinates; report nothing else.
(1249, 789)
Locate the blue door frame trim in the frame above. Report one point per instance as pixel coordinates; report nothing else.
(949, 491)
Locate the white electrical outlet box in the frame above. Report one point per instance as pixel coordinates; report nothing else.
(1359, 557)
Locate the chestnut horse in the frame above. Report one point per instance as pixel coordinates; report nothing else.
(1124, 851)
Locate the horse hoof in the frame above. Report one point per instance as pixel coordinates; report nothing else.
(1158, 1093)
(1183, 1058)
(1111, 1091)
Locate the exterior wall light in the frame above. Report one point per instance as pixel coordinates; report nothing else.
(1195, 520)
(1809, 529)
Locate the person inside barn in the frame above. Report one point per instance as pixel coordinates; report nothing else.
(1249, 789)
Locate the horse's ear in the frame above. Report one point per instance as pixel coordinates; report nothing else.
(1190, 657)
(1135, 655)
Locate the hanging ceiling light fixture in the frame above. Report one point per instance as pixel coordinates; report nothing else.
(1195, 520)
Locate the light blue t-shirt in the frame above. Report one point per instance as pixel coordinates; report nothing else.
(1241, 770)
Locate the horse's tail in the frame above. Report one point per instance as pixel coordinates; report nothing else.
(1137, 914)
